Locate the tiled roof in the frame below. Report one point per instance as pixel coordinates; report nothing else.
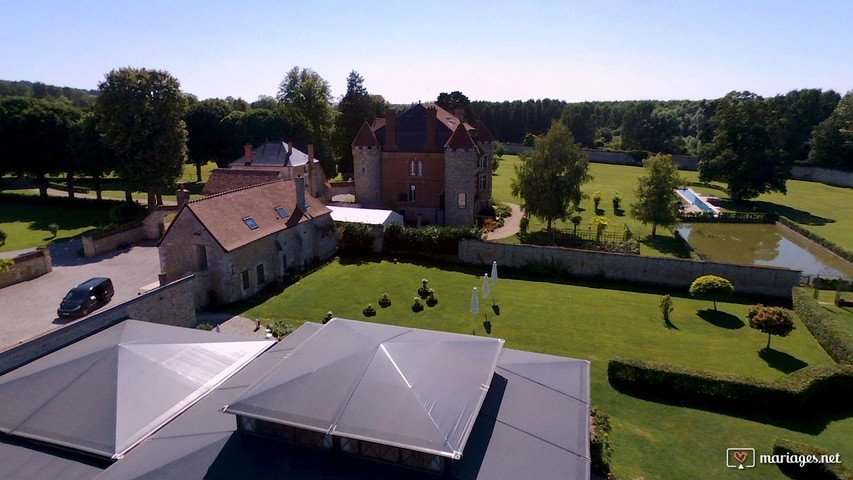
(222, 215)
(365, 137)
(460, 139)
(225, 179)
(483, 133)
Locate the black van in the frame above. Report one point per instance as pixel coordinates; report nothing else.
(86, 297)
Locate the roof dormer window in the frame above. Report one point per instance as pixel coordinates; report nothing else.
(251, 223)
(281, 211)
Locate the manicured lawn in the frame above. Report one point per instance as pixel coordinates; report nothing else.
(26, 225)
(595, 322)
(843, 315)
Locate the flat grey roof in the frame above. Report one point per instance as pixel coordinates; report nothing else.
(410, 388)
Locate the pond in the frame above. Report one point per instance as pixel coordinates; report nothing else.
(761, 244)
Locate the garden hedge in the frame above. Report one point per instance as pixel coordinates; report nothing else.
(822, 388)
(428, 239)
(834, 338)
(809, 471)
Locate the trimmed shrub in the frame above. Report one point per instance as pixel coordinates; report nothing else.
(666, 307)
(417, 306)
(53, 228)
(384, 301)
(357, 238)
(369, 311)
(432, 301)
(617, 201)
(808, 471)
(428, 239)
(3, 237)
(834, 338)
(596, 198)
(327, 317)
(712, 287)
(6, 264)
(205, 326)
(822, 388)
(770, 320)
(281, 329)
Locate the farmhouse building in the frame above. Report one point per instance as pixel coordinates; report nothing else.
(238, 242)
(425, 163)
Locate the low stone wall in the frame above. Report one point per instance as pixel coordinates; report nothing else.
(838, 178)
(683, 162)
(170, 304)
(658, 271)
(152, 227)
(516, 148)
(27, 267)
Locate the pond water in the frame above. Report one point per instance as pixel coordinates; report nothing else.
(761, 244)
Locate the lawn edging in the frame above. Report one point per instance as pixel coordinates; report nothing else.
(820, 389)
(832, 337)
(808, 470)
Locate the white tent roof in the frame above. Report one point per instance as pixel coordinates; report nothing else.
(367, 216)
(109, 391)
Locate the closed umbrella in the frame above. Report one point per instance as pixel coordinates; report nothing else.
(495, 272)
(486, 285)
(475, 302)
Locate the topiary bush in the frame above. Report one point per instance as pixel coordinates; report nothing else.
(423, 291)
(712, 287)
(432, 301)
(53, 228)
(666, 308)
(770, 320)
(384, 301)
(281, 329)
(417, 306)
(327, 317)
(369, 311)
(596, 198)
(617, 201)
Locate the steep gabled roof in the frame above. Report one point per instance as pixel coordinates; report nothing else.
(223, 215)
(483, 133)
(460, 139)
(365, 137)
(225, 179)
(107, 392)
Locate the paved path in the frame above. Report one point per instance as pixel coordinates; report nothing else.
(29, 308)
(511, 224)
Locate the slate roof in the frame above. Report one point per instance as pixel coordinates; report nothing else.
(222, 215)
(274, 154)
(225, 179)
(483, 133)
(109, 391)
(460, 139)
(365, 137)
(411, 130)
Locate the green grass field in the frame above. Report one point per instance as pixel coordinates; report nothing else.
(823, 209)
(26, 225)
(595, 322)
(843, 315)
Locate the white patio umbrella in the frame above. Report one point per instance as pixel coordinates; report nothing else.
(494, 273)
(486, 285)
(475, 302)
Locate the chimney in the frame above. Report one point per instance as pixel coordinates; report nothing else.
(390, 129)
(289, 147)
(247, 148)
(430, 129)
(183, 195)
(460, 114)
(300, 194)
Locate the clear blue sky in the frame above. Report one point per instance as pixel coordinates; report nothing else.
(409, 51)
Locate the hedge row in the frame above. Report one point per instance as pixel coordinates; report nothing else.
(834, 338)
(428, 239)
(57, 201)
(808, 471)
(823, 388)
(832, 247)
(357, 238)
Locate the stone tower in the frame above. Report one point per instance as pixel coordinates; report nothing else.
(367, 168)
(461, 169)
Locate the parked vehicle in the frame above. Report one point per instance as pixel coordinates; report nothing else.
(86, 297)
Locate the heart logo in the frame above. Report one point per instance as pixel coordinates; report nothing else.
(741, 456)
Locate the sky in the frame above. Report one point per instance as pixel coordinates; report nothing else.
(411, 51)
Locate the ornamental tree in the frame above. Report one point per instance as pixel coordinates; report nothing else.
(770, 320)
(711, 287)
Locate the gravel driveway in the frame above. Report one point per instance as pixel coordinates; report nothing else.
(29, 308)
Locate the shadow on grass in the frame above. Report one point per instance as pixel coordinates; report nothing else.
(488, 326)
(497, 309)
(668, 245)
(800, 216)
(670, 325)
(781, 361)
(618, 212)
(721, 319)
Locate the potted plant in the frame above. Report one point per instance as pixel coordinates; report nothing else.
(432, 301)
(327, 317)
(369, 311)
(384, 302)
(424, 290)
(417, 306)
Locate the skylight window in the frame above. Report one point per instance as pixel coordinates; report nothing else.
(281, 211)
(251, 223)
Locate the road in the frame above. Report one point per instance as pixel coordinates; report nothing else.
(29, 308)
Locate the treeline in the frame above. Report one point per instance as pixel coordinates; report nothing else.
(807, 125)
(77, 96)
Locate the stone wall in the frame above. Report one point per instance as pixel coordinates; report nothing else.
(171, 304)
(838, 178)
(460, 177)
(27, 267)
(367, 175)
(667, 272)
(152, 227)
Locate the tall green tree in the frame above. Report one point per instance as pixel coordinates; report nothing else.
(206, 137)
(657, 203)
(141, 116)
(832, 139)
(309, 95)
(356, 107)
(742, 153)
(549, 179)
(91, 156)
(453, 100)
